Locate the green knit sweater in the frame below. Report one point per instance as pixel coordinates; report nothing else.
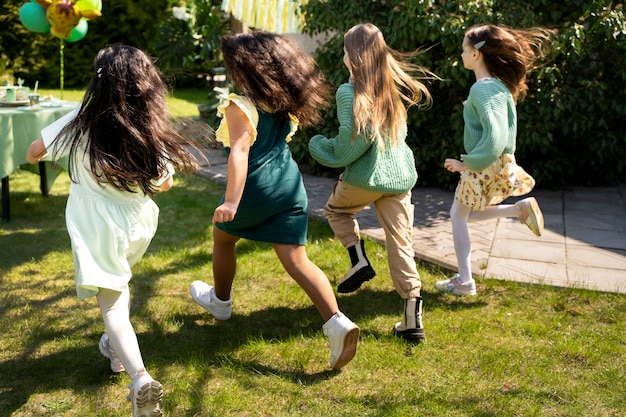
(490, 123)
(390, 170)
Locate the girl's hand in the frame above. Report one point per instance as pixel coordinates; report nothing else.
(224, 213)
(454, 165)
(36, 151)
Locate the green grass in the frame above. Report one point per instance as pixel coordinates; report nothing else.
(514, 350)
(182, 102)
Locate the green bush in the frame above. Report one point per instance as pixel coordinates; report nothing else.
(36, 56)
(570, 125)
(188, 49)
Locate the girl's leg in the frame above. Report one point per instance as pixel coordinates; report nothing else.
(459, 214)
(146, 394)
(343, 334)
(114, 308)
(309, 276)
(217, 300)
(395, 214)
(527, 211)
(493, 212)
(342, 205)
(340, 210)
(224, 262)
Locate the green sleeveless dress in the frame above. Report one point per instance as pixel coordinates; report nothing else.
(274, 205)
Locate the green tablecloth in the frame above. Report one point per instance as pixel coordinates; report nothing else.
(19, 127)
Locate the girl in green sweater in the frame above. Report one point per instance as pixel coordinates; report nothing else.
(379, 167)
(500, 58)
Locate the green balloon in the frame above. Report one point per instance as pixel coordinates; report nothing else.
(79, 31)
(33, 17)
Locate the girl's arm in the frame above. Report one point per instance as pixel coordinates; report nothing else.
(167, 184)
(341, 150)
(240, 133)
(36, 151)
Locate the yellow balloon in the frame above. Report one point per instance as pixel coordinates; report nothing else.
(89, 5)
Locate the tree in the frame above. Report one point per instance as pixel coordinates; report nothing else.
(570, 125)
(36, 56)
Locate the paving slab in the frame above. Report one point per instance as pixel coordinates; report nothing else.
(583, 244)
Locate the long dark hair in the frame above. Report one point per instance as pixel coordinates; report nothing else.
(275, 74)
(124, 123)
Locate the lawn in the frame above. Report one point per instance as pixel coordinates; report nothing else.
(514, 350)
(182, 103)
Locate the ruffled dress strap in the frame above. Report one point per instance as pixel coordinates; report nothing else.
(246, 106)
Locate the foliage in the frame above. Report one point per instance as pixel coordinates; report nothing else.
(570, 125)
(188, 46)
(23, 53)
(35, 56)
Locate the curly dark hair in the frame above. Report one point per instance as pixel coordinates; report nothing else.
(124, 124)
(275, 74)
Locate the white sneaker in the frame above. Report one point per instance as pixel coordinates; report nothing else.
(108, 352)
(204, 294)
(147, 400)
(343, 337)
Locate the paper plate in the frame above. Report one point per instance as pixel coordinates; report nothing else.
(13, 103)
(50, 104)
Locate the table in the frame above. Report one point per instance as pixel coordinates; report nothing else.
(19, 127)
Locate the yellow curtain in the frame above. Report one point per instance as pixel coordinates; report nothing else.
(278, 16)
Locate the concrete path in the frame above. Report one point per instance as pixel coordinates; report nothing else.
(583, 245)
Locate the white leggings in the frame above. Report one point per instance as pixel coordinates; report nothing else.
(115, 310)
(460, 215)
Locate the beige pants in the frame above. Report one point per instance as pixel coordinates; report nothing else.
(395, 215)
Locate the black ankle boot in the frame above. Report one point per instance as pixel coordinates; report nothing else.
(360, 272)
(411, 328)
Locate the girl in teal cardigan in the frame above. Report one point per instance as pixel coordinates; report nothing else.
(500, 58)
(379, 167)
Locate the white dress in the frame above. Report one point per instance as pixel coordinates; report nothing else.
(110, 230)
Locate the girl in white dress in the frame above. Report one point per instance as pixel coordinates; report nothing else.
(122, 150)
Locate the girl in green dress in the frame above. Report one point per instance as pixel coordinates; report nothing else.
(280, 88)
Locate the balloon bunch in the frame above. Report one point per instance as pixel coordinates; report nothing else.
(65, 19)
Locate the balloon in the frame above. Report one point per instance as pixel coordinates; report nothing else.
(65, 19)
(78, 32)
(33, 17)
(89, 5)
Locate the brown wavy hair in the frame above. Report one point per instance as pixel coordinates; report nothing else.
(275, 74)
(124, 123)
(510, 54)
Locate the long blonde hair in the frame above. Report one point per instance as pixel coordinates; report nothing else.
(382, 81)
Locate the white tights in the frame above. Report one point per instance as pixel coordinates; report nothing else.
(461, 215)
(115, 310)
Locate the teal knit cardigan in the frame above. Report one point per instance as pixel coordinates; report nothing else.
(390, 170)
(490, 123)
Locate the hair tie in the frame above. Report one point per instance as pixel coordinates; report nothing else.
(99, 72)
(478, 45)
